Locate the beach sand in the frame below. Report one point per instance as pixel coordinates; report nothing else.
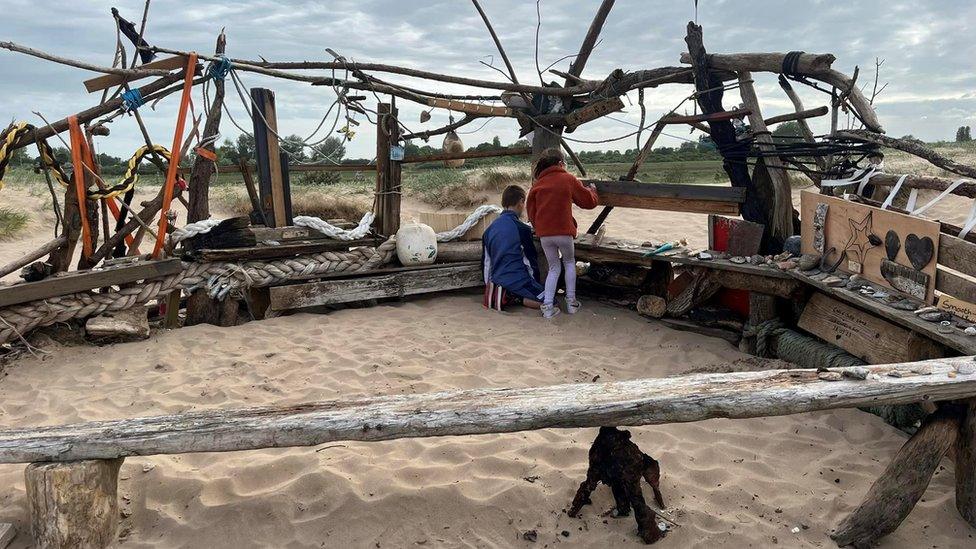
(741, 483)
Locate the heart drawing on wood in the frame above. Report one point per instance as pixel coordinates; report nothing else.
(892, 244)
(919, 250)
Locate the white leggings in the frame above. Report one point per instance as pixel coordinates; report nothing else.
(554, 247)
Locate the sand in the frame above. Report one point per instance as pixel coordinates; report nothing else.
(742, 483)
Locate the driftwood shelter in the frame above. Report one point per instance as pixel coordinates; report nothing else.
(882, 301)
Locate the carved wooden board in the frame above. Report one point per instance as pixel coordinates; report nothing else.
(958, 307)
(865, 336)
(848, 219)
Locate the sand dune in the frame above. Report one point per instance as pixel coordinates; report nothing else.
(743, 483)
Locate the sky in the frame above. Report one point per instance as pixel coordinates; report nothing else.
(927, 47)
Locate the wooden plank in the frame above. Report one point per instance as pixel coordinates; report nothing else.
(864, 335)
(587, 251)
(301, 168)
(593, 110)
(843, 215)
(670, 190)
(421, 281)
(111, 80)
(779, 287)
(957, 254)
(954, 340)
(271, 184)
(284, 250)
(413, 159)
(694, 397)
(81, 281)
(958, 307)
(7, 534)
(955, 285)
(669, 204)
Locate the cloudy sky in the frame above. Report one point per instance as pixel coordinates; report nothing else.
(927, 47)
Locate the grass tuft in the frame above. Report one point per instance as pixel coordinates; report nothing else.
(12, 222)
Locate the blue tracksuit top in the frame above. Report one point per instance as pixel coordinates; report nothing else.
(509, 255)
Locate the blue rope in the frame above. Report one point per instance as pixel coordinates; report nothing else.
(220, 68)
(132, 99)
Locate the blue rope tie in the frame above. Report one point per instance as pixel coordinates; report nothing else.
(220, 68)
(132, 100)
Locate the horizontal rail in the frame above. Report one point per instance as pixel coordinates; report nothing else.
(686, 398)
(413, 159)
(296, 168)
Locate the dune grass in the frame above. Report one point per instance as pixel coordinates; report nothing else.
(12, 222)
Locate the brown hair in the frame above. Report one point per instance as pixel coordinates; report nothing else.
(548, 159)
(512, 195)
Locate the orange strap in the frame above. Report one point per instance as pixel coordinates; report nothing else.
(78, 146)
(174, 162)
(89, 158)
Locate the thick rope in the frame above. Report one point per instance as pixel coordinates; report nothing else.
(775, 340)
(471, 221)
(332, 231)
(219, 279)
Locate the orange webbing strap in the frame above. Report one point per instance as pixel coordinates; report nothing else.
(89, 159)
(174, 162)
(81, 191)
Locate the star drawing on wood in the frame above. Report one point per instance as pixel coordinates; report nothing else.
(860, 241)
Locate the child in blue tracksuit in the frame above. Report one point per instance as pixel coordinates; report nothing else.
(510, 261)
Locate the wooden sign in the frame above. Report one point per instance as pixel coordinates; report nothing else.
(872, 339)
(870, 235)
(958, 307)
(592, 111)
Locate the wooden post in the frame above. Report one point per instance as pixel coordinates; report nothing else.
(388, 171)
(893, 496)
(966, 464)
(73, 504)
(173, 308)
(781, 220)
(271, 184)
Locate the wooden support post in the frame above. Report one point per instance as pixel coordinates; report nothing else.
(893, 496)
(781, 220)
(271, 184)
(966, 464)
(759, 198)
(387, 171)
(73, 504)
(173, 308)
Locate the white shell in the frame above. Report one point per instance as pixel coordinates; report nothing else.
(416, 244)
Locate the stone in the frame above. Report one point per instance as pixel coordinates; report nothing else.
(904, 305)
(830, 376)
(895, 373)
(880, 294)
(855, 282)
(857, 372)
(786, 265)
(738, 260)
(935, 316)
(792, 245)
(126, 325)
(923, 310)
(705, 256)
(808, 262)
(652, 306)
(757, 259)
(970, 331)
(834, 281)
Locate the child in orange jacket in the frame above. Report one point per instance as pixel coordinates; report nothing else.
(550, 209)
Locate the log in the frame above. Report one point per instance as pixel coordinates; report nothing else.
(33, 256)
(679, 399)
(794, 97)
(893, 496)
(781, 220)
(387, 175)
(73, 504)
(400, 284)
(800, 115)
(966, 464)
(815, 66)
(910, 146)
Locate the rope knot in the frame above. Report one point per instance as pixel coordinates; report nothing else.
(220, 67)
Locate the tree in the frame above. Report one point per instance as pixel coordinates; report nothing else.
(333, 149)
(787, 132)
(497, 143)
(295, 148)
(963, 134)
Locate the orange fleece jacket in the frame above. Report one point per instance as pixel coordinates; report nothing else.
(550, 202)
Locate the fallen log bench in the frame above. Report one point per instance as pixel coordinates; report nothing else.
(71, 482)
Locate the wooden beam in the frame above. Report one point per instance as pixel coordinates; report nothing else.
(954, 340)
(955, 285)
(657, 401)
(670, 197)
(765, 285)
(270, 179)
(111, 80)
(420, 281)
(797, 116)
(288, 249)
(436, 157)
(893, 496)
(81, 281)
(868, 337)
(722, 116)
(781, 218)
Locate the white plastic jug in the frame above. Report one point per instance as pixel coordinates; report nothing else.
(416, 244)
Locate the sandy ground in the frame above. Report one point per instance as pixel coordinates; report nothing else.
(744, 483)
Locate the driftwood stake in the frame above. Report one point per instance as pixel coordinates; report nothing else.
(893, 496)
(966, 464)
(73, 504)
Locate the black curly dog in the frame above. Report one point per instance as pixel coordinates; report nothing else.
(617, 462)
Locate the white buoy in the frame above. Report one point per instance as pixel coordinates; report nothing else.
(416, 244)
